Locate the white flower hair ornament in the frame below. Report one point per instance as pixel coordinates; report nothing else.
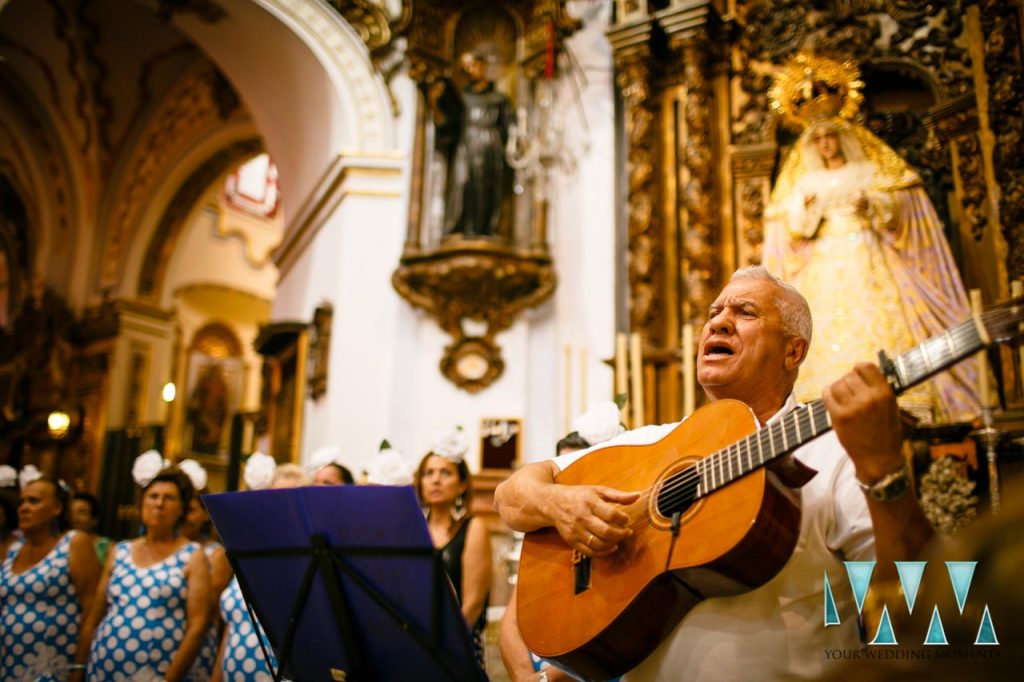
(8, 476)
(147, 466)
(28, 474)
(599, 423)
(389, 467)
(323, 456)
(195, 472)
(259, 471)
(453, 445)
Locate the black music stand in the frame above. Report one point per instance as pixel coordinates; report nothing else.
(346, 583)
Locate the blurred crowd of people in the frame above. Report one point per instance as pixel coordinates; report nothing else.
(166, 605)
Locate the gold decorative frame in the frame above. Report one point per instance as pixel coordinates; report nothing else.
(320, 350)
(285, 349)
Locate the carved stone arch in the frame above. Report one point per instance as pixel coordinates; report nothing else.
(162, 241)
(217, 339)
(16, 249)
(900, 97)
(902, 73)
(39, 168)
(319, 97)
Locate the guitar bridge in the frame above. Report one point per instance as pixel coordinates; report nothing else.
(581, 572)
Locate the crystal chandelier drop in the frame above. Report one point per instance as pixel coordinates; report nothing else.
(537, 139)
(536, 142)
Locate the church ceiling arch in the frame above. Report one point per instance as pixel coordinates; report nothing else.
(16, 250)
(122, 89)
(36, 163)
(201, 106)
(161, 242)
(79, 82)
(308, 80)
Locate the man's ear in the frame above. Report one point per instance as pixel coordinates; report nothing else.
(796, 351)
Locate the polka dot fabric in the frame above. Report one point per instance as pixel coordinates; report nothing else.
(202, 669)
(243, 657)
(39, 616)
(145, 619)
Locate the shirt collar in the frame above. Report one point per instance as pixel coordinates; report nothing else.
(787, 407)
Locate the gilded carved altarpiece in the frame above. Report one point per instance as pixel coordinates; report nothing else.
(943, 87)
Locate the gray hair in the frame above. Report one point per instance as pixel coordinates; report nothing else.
(796, 314)
(292, 473)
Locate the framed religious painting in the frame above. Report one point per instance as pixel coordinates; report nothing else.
(214, 387)
(285, 350)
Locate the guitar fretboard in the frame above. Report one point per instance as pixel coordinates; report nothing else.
(812, 420)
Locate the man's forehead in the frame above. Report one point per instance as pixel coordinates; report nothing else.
(760, 293)
(753, 289)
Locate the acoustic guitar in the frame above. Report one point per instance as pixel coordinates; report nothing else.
(706, 481)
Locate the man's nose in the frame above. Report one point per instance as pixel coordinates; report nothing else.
(721, 323)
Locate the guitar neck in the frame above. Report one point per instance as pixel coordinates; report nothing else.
(809, 421)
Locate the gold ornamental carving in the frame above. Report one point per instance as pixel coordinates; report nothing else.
(369, 19)
(957, 121)
(752, 167)
(634, 78)
(972, 177)
(480, 283)
(699, 270)
(1001, 23)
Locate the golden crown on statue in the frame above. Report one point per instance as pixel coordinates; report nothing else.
(812, 87)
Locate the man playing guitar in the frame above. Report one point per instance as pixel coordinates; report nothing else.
(857, 507)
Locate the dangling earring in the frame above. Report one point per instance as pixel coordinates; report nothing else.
(459, 508)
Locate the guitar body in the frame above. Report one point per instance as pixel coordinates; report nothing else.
(730, 541)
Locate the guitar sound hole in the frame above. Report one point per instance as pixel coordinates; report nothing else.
(678, 492)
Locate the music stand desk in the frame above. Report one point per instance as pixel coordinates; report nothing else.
(345, 582)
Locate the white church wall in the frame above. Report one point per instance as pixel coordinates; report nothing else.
(384, 378)
(582, 237)
(348, 263)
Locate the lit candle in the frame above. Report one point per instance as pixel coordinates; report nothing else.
(983, 391)
(567, 410)
(1016, 290)
(583, 380)
(689, 387)
(621, 372)
(636, 370)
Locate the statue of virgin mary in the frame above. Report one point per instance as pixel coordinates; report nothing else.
(851, 227)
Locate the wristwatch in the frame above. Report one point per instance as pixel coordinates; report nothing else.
(892, 487)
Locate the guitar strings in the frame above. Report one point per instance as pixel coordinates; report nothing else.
(729, 460)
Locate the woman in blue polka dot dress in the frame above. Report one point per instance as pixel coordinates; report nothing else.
(199, 529)
(242, 659)
(156, 590)
(46, 581)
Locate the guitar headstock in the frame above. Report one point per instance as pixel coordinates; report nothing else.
(1003, 320)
